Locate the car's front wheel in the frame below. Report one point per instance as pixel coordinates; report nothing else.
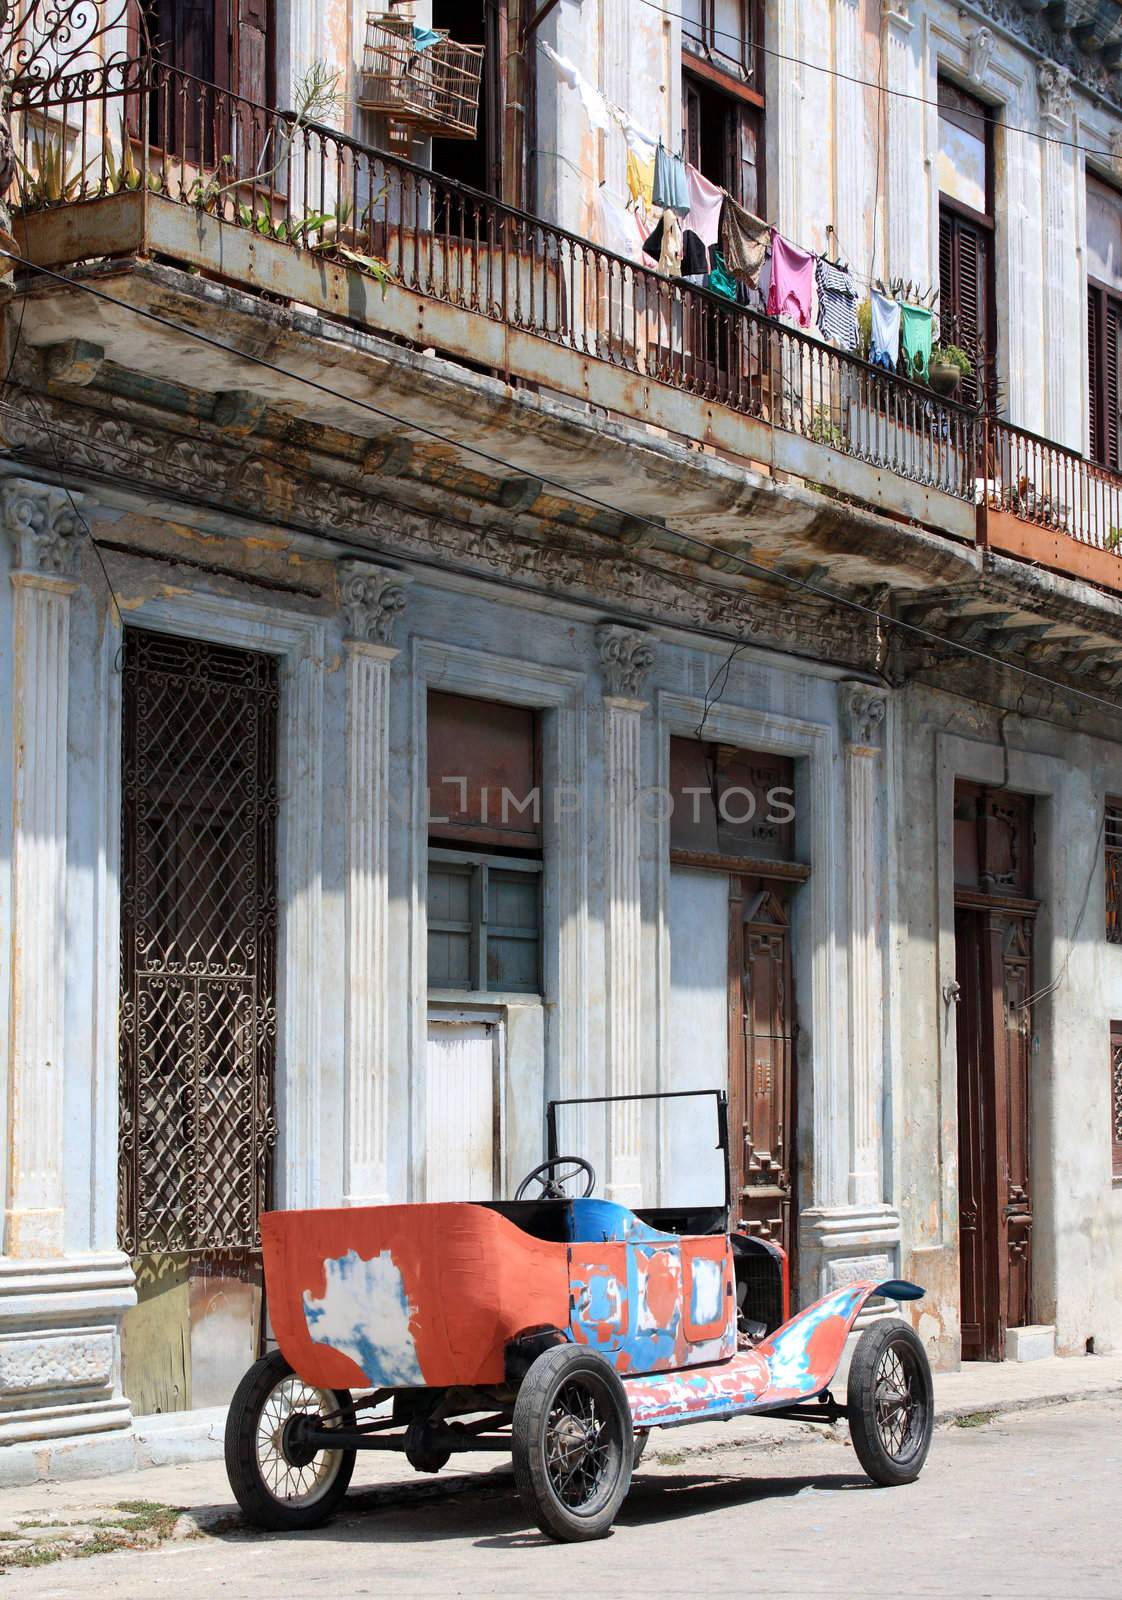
(890, 1401)
(573, 1443)
(280, 1482)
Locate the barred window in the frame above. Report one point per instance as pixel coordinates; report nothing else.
(1116, 1100)
(1113, 836)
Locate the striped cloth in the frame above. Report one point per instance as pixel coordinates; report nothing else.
(837, 304)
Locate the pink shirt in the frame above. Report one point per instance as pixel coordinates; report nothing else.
(792, 274)
(706, 200)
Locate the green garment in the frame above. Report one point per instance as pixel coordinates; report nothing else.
(719, 280)
(915, 339)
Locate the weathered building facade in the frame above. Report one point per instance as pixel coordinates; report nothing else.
(534, 675)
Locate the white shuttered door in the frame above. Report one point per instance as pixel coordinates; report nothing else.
(462, 1114)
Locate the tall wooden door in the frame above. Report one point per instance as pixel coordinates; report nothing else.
(994, 972)
(761, 1060)
(463, 1111)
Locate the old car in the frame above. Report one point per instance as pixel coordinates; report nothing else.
(559, 1328)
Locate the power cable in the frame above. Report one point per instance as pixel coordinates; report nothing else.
(756, 569)
(868, 83)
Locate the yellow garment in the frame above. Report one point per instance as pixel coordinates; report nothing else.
(640, 179)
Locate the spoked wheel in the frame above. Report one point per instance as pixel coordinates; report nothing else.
(281, 1482)
(890, 1403)
(573, 1443)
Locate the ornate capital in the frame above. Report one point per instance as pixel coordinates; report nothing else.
(863, 709)
(1053, 86)
(979, 52)
(626, 657)
(371, 598)
(44, 526)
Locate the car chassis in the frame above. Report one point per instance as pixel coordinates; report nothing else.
(559, 1329)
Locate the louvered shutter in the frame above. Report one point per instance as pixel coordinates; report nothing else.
(964, 291)
(1111, 386)
(1094, 374)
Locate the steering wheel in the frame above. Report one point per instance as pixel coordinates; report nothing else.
(553, 1182)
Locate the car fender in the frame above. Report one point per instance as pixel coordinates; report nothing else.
(802, 1357)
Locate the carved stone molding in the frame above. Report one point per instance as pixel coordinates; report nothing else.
(1035, 33)
(43, 525)
(1053, 86)
(372, 599)
(626, 657)
(980, 53)
(863, 712)
(573, 562)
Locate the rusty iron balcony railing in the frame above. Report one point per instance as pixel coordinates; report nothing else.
(141, 128)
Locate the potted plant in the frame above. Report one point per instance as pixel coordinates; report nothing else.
(948, 366)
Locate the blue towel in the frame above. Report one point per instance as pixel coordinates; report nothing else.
(423, 37)
(670, 191)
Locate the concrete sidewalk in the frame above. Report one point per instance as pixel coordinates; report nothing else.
(43, 1521)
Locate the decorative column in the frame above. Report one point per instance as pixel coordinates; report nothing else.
(785, 103)
(851, 1231)
(907, 181)
(43, 528)
(372, 598)
(849, 120)
(1063, 420)
(863, 711)
(626, 657)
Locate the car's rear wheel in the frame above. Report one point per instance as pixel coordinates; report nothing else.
(280, 1482)
(890, 1403)
(573, 1443)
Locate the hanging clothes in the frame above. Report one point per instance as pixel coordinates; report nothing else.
(915, 338)
(884, 343)
(617, 228)
(665, 245)
(695, 257)
(706, 201)
(640, 167)
(837, 303)
(792, 279)
(670, 190)
(720, 280)
(744, 241)
(595, 106)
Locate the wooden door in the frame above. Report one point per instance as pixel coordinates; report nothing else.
(462, 1111)
(994, 971)
(761, 1060)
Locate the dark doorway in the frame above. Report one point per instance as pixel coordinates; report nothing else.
(477, 162)
(198, 1010)
(994, 919)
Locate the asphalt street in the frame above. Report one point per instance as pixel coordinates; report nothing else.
(1026, 1505)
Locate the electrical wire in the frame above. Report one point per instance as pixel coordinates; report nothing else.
(868, 83)
(756, 569)
(1050, 988)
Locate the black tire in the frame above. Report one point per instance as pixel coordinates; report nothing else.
(274, 1491)
(573, 1443)
(891, 1403)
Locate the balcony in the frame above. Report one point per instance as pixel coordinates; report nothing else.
(135, 159)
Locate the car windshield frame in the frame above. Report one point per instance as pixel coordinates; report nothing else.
(719, 1095)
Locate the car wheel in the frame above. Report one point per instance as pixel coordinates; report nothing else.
(890, 1403)
(573, 1443)
(280, 1484)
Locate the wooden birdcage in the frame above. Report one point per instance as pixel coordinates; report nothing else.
(433, 87)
